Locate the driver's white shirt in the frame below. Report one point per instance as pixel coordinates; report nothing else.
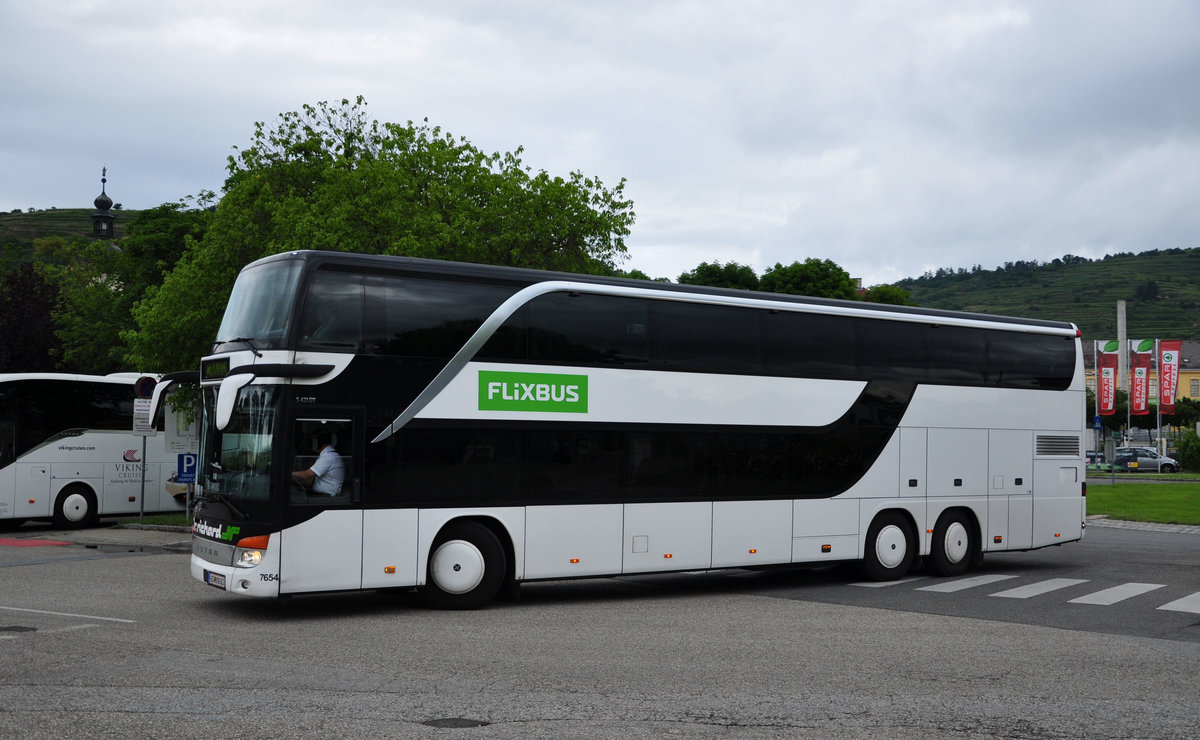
(330, 472)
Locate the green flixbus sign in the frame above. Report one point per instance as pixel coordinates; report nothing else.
(552, 392)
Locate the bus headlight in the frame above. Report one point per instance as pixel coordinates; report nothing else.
(250, 551)
(247, 558)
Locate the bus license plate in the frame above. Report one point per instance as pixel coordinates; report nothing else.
(214, 579)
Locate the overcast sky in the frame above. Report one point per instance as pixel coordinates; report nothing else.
(890, 137)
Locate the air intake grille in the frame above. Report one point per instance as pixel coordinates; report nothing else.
(1058, 446)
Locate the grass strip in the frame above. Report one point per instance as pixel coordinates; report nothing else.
(1162, 503)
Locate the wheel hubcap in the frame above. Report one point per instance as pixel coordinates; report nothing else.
(75, 507)
(457, 567)
(891, 546)
(957, 542)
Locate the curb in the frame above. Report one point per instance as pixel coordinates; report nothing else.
(154, 527)
(1102, 520)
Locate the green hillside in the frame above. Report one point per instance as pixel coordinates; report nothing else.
(1161, 289)
(21, 229)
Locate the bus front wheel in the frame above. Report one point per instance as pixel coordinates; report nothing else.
(75, 507)
(891, 547)
(466, 567)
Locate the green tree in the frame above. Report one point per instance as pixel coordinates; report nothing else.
(813, 277)
(27, 342)
(1147, 291)
(1189, 451)
(101, 282)
(327, 177)
(890, 294)
(716, 275)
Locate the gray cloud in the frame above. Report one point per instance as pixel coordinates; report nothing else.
(892, 138)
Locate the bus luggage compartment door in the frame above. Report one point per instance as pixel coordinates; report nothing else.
(32, 497)
(667, 536)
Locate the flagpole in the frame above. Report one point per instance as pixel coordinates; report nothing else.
(1123, 366)
(1162, 447)
(1097, 433)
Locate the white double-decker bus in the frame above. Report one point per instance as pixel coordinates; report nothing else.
(499, 425)
(68, 451)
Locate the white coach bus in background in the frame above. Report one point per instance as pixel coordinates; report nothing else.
(498, 425)
(68, 451)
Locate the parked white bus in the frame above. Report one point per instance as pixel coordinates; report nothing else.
(498, 425)
(68, 451)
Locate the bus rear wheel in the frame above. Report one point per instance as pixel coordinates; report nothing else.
(75, 507)
(955, 547)
(891, 548)
(466, 567)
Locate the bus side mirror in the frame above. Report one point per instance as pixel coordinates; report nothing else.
(227, 397)
(156, 398)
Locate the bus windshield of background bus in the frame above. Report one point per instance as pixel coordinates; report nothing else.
(260, 305)
(238, 459)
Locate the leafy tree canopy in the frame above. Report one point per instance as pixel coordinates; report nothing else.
(813, 277)
(716, 275)
(327, 177)
(99, 282)
(27, 342)
(890, 294)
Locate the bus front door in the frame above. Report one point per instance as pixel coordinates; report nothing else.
(323, 552)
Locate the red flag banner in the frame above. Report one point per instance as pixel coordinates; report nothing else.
(1106, 376)
(1140, 354)
(1168, 374)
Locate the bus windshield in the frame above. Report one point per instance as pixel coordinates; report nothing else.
(260, 305)
(237, 460)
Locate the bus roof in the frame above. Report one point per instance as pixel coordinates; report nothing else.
(416, 265)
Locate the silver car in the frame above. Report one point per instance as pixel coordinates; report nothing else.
(1147, 459)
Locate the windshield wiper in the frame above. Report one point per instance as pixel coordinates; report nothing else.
(249, 342)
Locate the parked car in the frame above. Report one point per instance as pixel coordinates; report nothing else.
(1146, 458)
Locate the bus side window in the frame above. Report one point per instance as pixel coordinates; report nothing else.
(322, 470)
(333, 313)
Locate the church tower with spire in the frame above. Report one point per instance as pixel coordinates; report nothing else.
(102, 219)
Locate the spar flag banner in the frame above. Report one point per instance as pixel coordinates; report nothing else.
(1168, 374)
(1140, 353)
(1106, 365)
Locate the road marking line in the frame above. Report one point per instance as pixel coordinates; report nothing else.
(964, 583)
(885, 584)
(66, 614)
(1110, 596)
(1190, 604)
(1039, 588)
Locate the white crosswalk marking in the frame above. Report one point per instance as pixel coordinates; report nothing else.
(1110, 596)
(1039, 588)
(1186, 604)
(884, 584)
(1104, 597)
(962, 584)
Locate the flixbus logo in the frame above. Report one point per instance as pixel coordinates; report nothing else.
(505, 391)
(218, 532)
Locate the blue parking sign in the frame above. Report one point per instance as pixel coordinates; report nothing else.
(186, 472)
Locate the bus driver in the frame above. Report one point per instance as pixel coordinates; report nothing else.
(328, 472)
